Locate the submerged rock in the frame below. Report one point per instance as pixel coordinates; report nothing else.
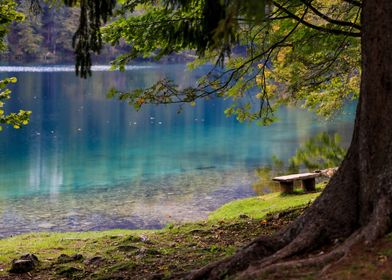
(24, 264)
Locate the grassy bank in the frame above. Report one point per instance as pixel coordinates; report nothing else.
(175, 250)
(142, 254)
(258, 207)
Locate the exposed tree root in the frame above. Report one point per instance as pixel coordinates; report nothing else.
(343, 212)
(258, 249)
(247, 264)
(356, 205)
(318, 261)
(380, 221)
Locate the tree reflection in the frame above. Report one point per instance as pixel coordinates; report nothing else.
(322, 151)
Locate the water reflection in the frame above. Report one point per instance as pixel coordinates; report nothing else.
(86, 162)
(138, 204)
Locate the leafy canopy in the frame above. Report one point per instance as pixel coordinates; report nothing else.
(266, 53)
(304, 51)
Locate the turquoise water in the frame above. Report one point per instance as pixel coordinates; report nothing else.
(86, 162)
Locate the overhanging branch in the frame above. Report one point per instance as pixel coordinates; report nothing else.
(354, 2)
(316, 27)
(327, 18)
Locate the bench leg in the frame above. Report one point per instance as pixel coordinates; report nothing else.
(287, 187)
(309, 185)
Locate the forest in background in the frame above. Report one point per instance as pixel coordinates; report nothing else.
(46, 37)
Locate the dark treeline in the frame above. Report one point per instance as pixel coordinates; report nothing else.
(46, 37)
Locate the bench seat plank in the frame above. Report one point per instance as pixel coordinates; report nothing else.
(294, 177)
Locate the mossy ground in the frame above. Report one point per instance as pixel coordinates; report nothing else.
(141, 255)
(160, 254)
(128, 254)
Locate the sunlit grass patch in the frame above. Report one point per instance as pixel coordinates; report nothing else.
(258, 207)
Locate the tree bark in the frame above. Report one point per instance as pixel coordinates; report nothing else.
(356, 205)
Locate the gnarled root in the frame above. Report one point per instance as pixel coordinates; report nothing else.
(263, 251)
(269, 255)
(258, 249)
(376, 228)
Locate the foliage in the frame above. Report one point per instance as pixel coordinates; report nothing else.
(87, 37)
(300, 51)
(271, 52)
(14, 119)
(8, 15)
(319, 152)
(320, 69)
(44, 34)
(25, 40)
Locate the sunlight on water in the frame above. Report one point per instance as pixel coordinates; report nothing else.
(66, 68)
(86, 162)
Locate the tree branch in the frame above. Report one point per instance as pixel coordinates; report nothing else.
(354, 2)
(316, 27)
(327, 18)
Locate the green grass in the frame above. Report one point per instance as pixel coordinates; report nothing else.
(176, 248)
(52, 244)
(74, 242)
(259, 207)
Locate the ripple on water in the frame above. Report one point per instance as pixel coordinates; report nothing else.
(134, 205)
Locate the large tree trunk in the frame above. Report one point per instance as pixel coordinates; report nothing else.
(356, 205)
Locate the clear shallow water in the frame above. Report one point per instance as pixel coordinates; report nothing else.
(86, 162)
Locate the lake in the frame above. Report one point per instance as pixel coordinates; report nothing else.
(88, 163)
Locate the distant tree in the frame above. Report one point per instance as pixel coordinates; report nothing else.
(25, 41)
(58, 26)
(23, 37)
(47, 32)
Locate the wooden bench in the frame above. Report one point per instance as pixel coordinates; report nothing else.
(287, 182)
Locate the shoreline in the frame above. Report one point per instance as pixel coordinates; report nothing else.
(124, 206)
(251, 206)
(142, 254)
